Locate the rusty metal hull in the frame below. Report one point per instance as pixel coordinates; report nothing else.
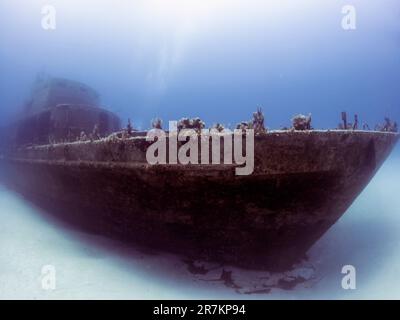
(302, 183)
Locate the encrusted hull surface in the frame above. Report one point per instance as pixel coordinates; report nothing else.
(302, 183)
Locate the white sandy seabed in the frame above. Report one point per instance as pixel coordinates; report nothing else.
(92, 267)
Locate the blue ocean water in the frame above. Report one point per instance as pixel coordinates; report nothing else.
(215, 59)
(218, 60)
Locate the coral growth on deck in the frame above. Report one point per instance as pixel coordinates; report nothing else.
(257, 123)
(186, 123)
(301, 122)
(387, 126)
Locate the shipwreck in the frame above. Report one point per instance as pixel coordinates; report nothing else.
(72, 157)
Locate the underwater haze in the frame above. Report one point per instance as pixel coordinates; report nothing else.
(218, 60)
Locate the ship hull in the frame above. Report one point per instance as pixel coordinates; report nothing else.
(302, 183)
